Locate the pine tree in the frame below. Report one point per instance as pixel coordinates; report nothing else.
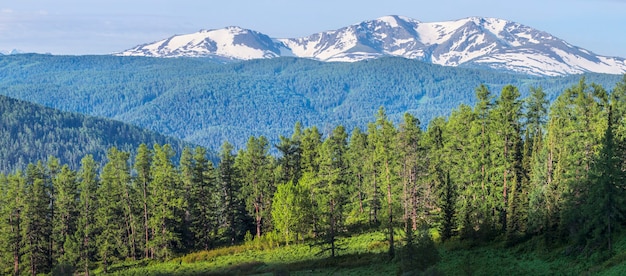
(232, 209)
(254, 163)
(373, 193)
(86, 226)
(357, 149)
(109, 215)
(291, 154)
(187, 178)
(464, 171)
(143, 162)
(417, 196)
(165, 202)
(602, 207)
(204, 201)
(11, 207)
(330, 192)
(535, 159)
(439, 163)
(506, 160)
(36, 226)
(66, 213)
(311, 142)
(385, 146)
(577, 123)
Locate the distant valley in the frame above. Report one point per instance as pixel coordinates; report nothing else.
(207, 103)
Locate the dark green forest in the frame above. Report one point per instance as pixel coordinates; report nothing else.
(30, 132)
(206, 103)
(507, 167)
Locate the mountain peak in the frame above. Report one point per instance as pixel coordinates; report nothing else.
(469, 42)
(394, 20)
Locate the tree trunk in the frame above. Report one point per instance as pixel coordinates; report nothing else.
(145, 219)
(15, 228)
(131, 225)
(257, 213)
(390, 211)
(360, 187)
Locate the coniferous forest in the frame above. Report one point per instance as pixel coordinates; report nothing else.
(507, 168)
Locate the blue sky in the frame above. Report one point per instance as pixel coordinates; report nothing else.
(100, 27)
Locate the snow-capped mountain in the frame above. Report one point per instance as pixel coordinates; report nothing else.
(470, 42)
(230, 43)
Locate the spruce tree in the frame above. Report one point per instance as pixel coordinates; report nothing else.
(330, 192)
(165, 203)
(254, 163)
(506, 160)
(232, 208)
(143, 162)
(204, 200)
(36, 226)
(66, 214)
(417, 195)
(186, 168)
(109, 215)
(602, 209)
(439, 161)
(356, 155)
(291, 153)
(384, 141)
(86, 226)
(12, 202)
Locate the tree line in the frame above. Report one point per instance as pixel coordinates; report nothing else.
(505, 168)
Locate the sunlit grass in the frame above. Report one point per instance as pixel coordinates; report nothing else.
(366, 254)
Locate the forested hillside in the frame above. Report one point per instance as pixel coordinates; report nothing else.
(30, 132)
(207, 103)
(507, 168)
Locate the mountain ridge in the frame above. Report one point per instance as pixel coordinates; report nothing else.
(474, 42)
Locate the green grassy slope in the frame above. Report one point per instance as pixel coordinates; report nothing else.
(365, 254)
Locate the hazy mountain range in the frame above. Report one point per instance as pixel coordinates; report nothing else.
(473, 42)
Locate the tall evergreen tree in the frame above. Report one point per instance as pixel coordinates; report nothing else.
(535, 158)
(36, 226)
(330, 193)
(356, 155)
(384, 139)
(204, 201)
(143, 162)
(254, 163)
(439, 163)
(86, 226)
(232, 209)
(603, 206)
(109, 216)
(311, 142)
(64, 223)
(577, 123)
(188, 181)
(464, 172)
(291, 154)
(417, 196)
(12, 202)
(165, 202)
(506, 161)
